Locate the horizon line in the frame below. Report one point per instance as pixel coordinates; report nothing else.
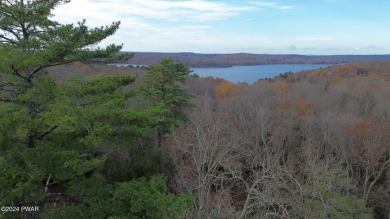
(217, 53)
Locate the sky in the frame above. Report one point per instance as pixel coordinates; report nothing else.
(309, 27)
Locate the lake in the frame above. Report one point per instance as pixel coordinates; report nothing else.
(251, 74)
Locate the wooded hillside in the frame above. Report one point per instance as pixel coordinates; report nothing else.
(80, 139)
(312, 145)
(228, 60)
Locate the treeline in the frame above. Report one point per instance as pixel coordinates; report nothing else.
(228, 60)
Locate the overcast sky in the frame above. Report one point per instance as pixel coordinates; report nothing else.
(250, 26)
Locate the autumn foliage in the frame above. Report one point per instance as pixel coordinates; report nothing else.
(312, 145)
(369, 142)
(225, 88)
(305, 107)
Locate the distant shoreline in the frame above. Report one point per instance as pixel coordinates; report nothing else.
(196, 60)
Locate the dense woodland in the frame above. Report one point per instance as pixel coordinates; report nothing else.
(312, 145)
(81, 139)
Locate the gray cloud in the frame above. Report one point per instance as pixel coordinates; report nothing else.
(292, 47)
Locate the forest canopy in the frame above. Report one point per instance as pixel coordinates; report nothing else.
(81, 139)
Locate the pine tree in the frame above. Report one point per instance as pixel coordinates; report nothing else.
(50, 133)
(54, 134)
(30, 41)
(163, 88)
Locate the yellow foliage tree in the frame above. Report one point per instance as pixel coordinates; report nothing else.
(282, 87)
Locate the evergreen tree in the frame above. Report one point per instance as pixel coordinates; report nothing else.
(163, 88)
(30, 41)
(81, 118)
(53, 134)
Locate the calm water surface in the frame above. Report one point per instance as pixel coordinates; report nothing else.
(253, 73)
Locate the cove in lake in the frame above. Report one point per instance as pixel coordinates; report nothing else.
(251, 74)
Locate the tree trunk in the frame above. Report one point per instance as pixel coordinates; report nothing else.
(159, 140)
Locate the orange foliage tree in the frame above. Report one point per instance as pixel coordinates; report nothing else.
(225, 88)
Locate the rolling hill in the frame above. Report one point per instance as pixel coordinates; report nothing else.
(228, 60)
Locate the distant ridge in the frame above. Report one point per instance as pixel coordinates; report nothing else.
(228, 60)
